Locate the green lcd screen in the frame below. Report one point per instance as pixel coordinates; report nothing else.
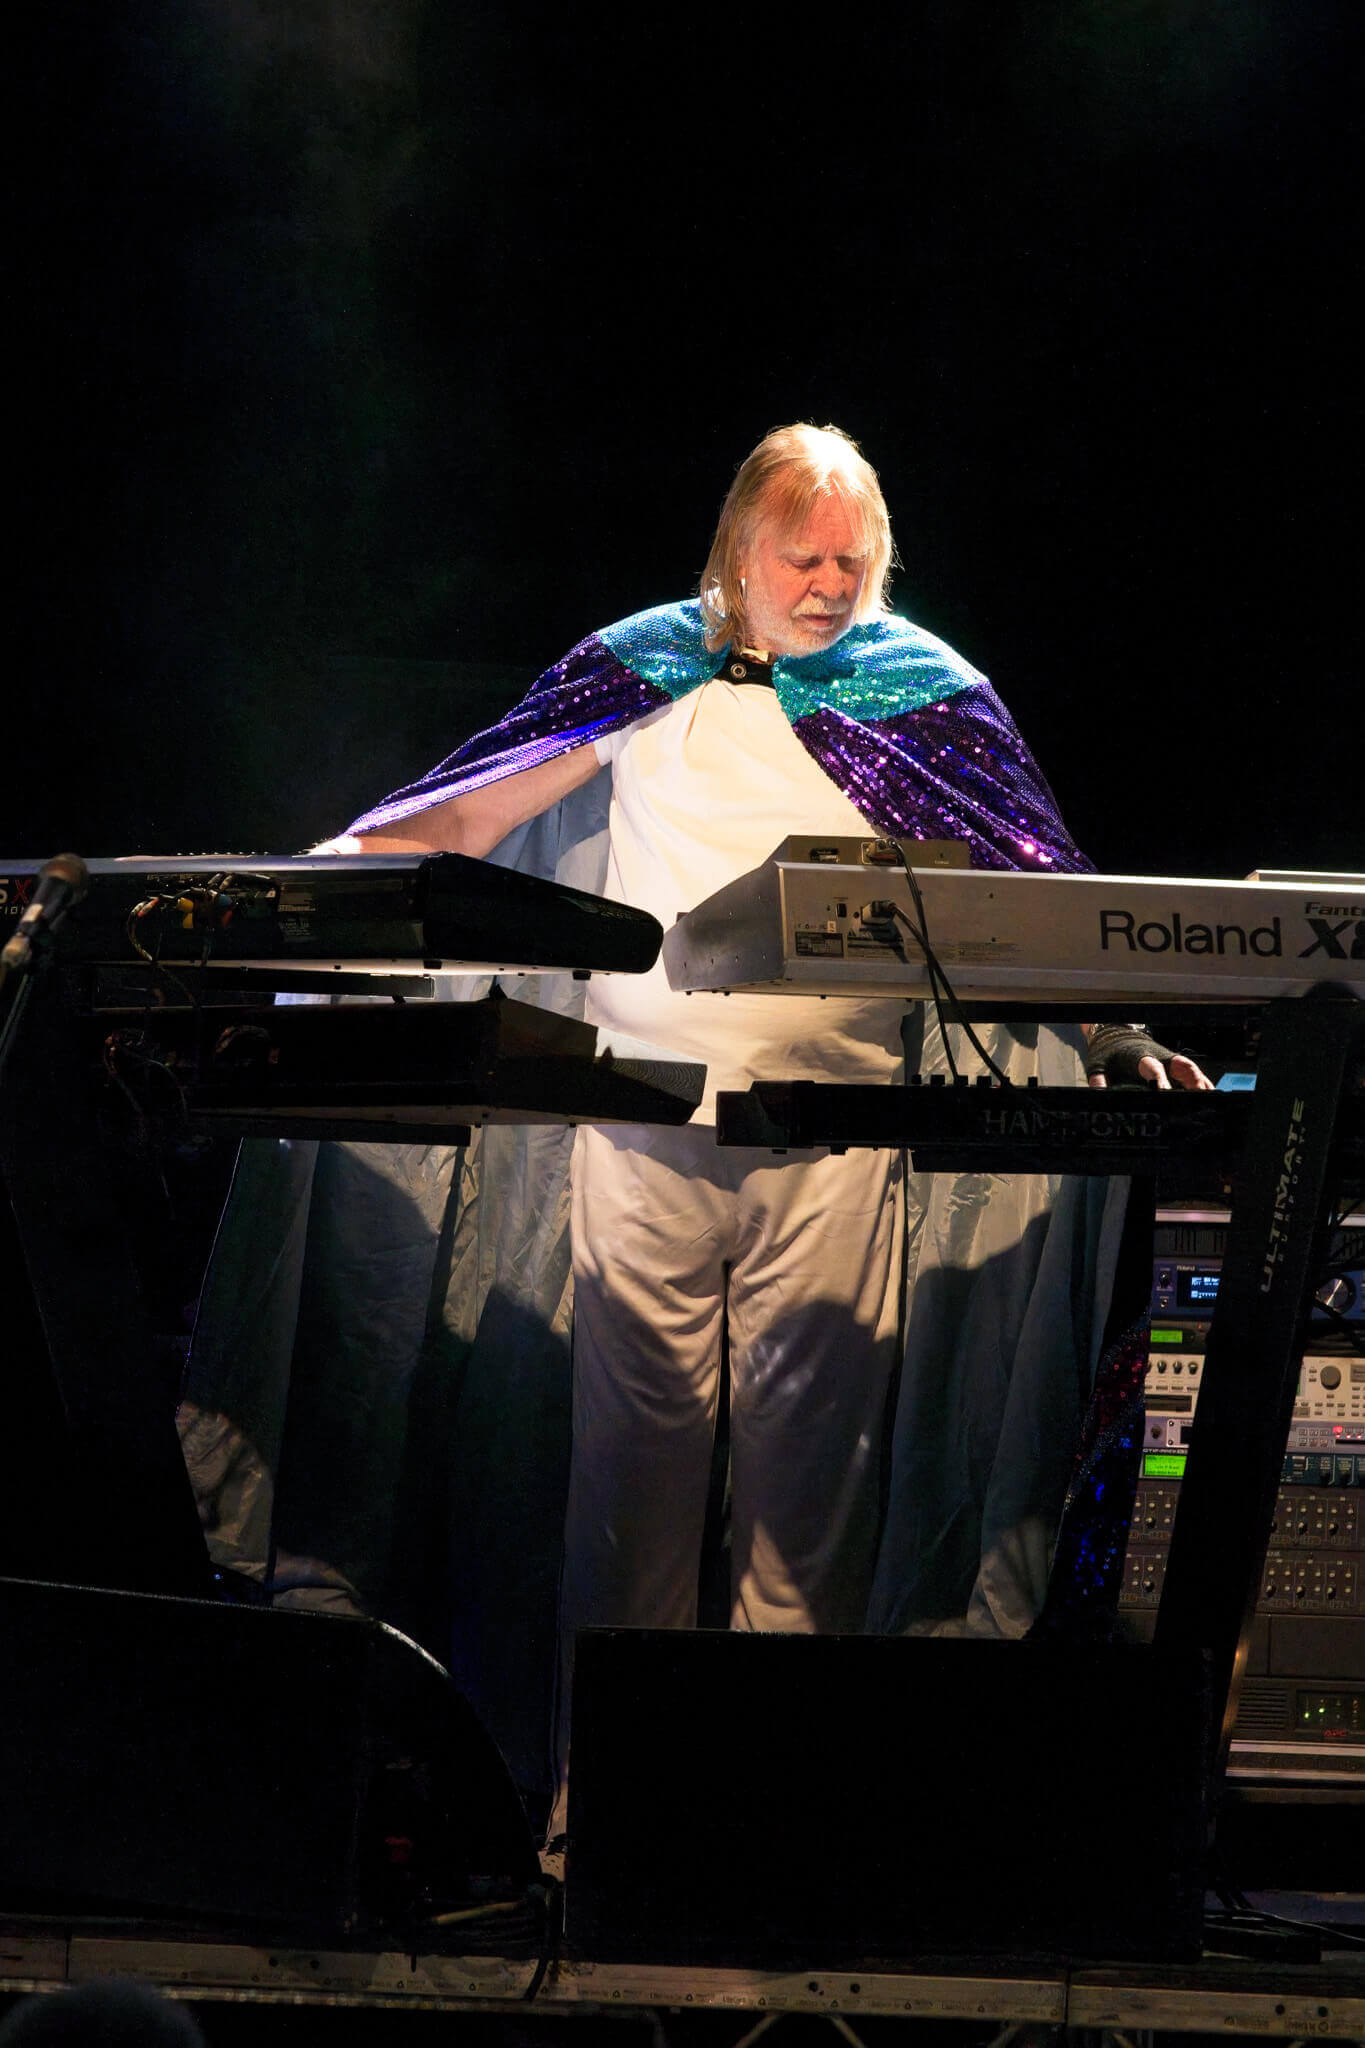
(1163, 1465)
(1166, 1336)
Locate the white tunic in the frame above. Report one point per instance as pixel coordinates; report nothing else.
(703, 790)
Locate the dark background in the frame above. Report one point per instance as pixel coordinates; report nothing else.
(374, 351)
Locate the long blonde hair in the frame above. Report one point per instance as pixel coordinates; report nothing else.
(788, 473)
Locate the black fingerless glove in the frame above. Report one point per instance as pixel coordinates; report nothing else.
(1115, 1049)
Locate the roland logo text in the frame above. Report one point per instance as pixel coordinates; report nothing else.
(1121, 928)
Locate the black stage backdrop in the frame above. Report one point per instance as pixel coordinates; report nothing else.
(373, 351)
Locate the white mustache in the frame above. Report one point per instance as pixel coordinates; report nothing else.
(808, 612)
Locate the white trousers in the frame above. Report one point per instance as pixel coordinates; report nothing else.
(670, 1229)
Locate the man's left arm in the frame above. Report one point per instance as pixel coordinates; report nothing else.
(1127, 1053)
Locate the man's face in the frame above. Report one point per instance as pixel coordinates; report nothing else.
(801, 589)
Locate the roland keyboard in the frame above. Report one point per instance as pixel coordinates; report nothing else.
(832, 917)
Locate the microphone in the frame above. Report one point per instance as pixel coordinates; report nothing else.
(62, 881)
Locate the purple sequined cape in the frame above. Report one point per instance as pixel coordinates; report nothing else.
(912, 734)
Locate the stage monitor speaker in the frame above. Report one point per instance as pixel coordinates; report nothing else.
(185, 1761)
(768, 1799)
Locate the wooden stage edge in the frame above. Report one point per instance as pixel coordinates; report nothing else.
(1260, 2001)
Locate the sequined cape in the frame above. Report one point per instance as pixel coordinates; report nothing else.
(912, 734)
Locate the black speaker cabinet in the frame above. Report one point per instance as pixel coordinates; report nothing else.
(184, 1761)
(766, 1799)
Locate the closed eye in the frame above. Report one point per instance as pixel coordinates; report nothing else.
(848, 563)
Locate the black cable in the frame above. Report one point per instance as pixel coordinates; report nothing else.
(1340, 1325)
(1238, 1907)
(554, 1928)
(943, 988)
(122, 1047)
(1351, 1249)
(1248, 1915)
(940, 988)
